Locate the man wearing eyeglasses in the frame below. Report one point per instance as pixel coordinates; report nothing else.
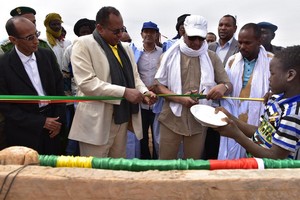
(103, 66)
(30, 70)
(28, 13)
(188, 67)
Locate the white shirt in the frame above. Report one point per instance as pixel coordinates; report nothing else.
(30, 65)
(147, 67)
(59, 50)
(222, 51)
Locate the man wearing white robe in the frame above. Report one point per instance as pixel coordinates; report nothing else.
(249, 74)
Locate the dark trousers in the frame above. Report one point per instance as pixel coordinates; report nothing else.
(72, 148)
(147, 121)
(212, 144)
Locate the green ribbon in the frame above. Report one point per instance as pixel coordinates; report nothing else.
(144, 165)
(84, 98)
(133, 164)
(161, 165)
(278, 164)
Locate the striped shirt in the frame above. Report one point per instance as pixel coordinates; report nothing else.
(280, 124)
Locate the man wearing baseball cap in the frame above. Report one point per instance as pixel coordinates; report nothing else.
(147, 64)
(188, 67)
(28, 13)
(267, 35)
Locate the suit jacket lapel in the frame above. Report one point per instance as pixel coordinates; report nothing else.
(42, 71)
(233, 49)
(17, 65)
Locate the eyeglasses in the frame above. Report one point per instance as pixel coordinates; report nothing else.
(117, 31)
(31, 37)
(193, 38)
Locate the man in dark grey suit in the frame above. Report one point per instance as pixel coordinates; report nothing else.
(227, 45)
(30, 70)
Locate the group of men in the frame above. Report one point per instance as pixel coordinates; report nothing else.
(104, 66)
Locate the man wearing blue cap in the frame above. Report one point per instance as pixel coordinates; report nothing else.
(147, 66)
(267, 35)
(28, 13)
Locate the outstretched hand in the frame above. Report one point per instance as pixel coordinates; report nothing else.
(230, 130)
(149, 98)
(222, 109)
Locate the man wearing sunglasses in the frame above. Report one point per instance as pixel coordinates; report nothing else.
(30, 70)
(188, 67)
(103, 66)
(28, 13)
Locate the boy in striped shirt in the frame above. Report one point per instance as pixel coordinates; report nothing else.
(278, 135)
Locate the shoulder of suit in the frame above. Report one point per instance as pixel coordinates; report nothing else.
(212, 46)
(234, 42)
(276, 48)
(84, 40)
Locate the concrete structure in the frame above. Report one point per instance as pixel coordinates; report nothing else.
(37, 182)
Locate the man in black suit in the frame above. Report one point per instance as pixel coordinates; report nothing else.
(30, 70)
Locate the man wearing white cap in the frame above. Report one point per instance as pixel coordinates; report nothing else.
(188, 67)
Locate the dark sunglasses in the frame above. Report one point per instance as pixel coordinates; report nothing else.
(193, 38)
(117, 31)
(30, 37)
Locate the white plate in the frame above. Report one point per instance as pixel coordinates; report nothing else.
(206, 116)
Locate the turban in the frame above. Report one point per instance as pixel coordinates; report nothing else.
(52, 35)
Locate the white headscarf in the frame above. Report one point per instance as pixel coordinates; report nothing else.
(169, 72)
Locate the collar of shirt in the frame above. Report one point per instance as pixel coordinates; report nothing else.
(228, 43)
(251, 62)
(25, 58)
(154, 49)
(115, 47)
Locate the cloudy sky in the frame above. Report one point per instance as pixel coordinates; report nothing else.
(285, 14)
